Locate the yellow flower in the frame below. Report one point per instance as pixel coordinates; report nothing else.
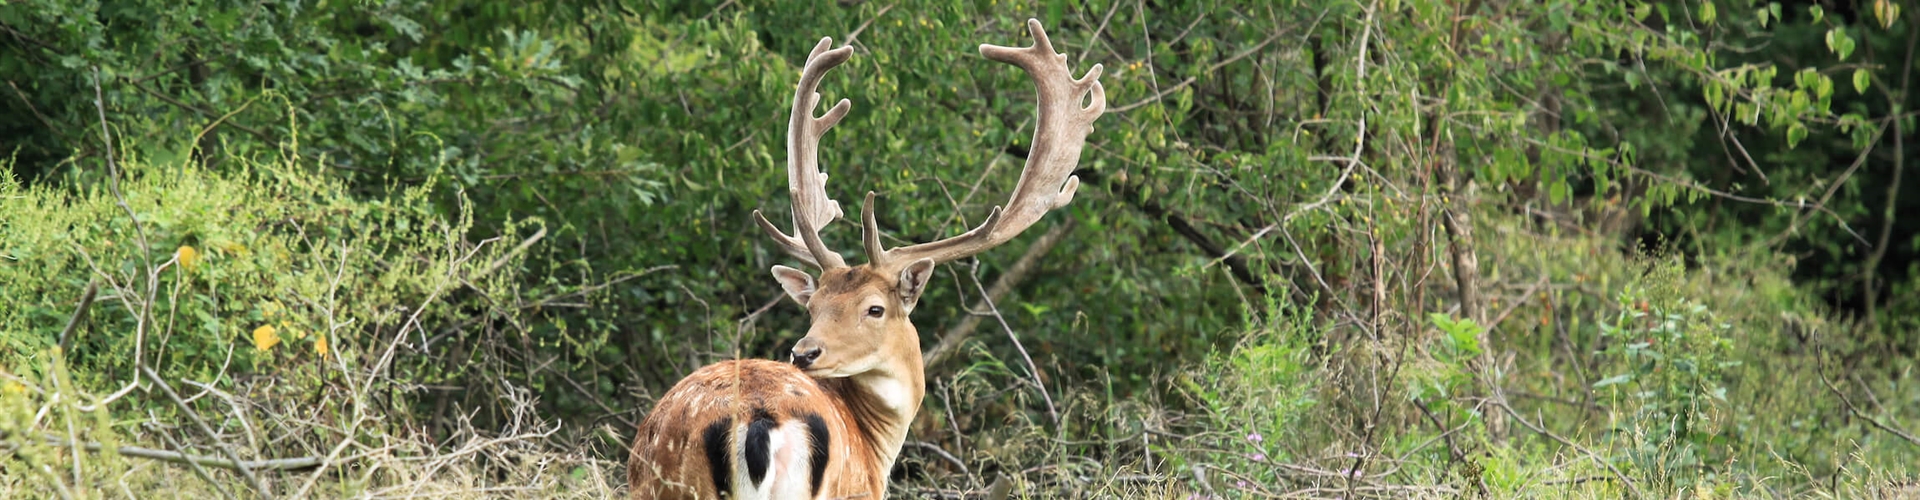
(320, 345)
(264, 338)
(16, 388)
(188, 257)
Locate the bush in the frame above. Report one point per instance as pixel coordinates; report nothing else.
(302, 320)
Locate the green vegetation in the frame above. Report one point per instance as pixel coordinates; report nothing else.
(1358, 248)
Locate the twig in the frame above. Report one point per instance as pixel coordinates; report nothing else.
(1200, 476)
(1863, 416)
(1868, 270)
(950, 341)
(1189, 81)
(113, 183)
(192, 464)
(1155, 97)
(1131, 193)
(1504, 313)
(943, 455)
(1501, 401)
(73, 323)
(218, 120)
(1097, 31)
(522, 247)
(239, 465)
(1031, 368)
(36, 111)
(59, 486)
(551, 300)
(855, 35)
(1577, 480)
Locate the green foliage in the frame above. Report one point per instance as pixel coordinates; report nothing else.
(211, 258)
(1279, 211)
(1462, 336)
(1261, 397)
(1675, 355)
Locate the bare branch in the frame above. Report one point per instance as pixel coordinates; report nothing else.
(252, 479)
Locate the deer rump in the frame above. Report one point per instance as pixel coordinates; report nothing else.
(760, 442)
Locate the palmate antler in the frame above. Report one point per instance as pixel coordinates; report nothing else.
(1045, 184)
(1047, 181)
(812, 209)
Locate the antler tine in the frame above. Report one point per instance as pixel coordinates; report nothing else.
(1047, 182)
(812, 208)
(870, 233)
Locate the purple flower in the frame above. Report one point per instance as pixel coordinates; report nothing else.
(1242, 484)
(1259, 457)
(1256, 437)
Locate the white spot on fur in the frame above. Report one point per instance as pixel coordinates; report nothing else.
(890, 391)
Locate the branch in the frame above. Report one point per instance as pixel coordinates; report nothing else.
(1236, 264)
(197, 469)
(1863, 416)
(73, 322)
(219, 120)
(1032, 369)
(183, 458)
(238, 464)
(1189, 81)
(1501, 401)
(948, 457)
(1867, 270)
(517, 250)
(950, 341)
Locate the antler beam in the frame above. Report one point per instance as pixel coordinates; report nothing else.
(1047, 181)
(812, 208)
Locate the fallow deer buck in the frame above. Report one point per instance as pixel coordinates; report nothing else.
(830, 424)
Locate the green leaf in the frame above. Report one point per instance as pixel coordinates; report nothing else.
(1613, 380)
(1818, 13)
(1443, 321)
(1839, 42)
(1795, 134)
(1860, 80)
(1707, 12)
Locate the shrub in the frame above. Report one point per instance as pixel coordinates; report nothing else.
(303, 320)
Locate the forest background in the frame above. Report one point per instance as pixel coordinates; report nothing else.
(1354, 248)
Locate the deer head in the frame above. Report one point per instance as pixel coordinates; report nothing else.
(860, 313)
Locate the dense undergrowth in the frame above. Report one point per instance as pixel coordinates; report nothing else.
(276, 302)
(1629, 374)
(1341, 249)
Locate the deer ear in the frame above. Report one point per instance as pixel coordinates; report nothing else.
(798, 284)
(913, 280)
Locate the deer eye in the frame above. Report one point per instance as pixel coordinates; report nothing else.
(876, 311)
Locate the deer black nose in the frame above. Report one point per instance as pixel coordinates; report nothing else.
(804, 357)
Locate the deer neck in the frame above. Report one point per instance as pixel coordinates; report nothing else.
(888, 397)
